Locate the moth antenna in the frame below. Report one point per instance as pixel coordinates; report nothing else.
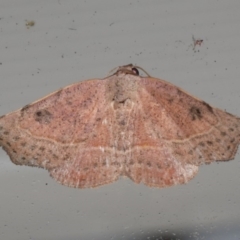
(112, 72)
(143, 70)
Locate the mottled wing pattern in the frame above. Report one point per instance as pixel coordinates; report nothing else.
(175, 133)
(65, 133)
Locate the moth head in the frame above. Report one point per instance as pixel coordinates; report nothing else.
(128, 69)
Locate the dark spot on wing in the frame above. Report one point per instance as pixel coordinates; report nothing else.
(131, 162)
(42, 149)
(190, 152)
(58, 93)
(208, 106)
(33, 147)
(195, 113)
(25, 107)
(209, 143)
(122, 122)
(159, 166)
(16, 138)
(43, 116)
(148, 163)
(140, 161)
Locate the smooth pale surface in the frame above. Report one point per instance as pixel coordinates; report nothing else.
(50, 55)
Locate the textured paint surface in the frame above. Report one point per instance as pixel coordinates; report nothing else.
(92, 132)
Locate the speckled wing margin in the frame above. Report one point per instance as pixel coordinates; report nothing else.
(90, 133)
(66, 134)
(177, 132)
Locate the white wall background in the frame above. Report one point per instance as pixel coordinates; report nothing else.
(75, 40)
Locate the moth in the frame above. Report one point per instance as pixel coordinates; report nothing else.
(92, 132)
